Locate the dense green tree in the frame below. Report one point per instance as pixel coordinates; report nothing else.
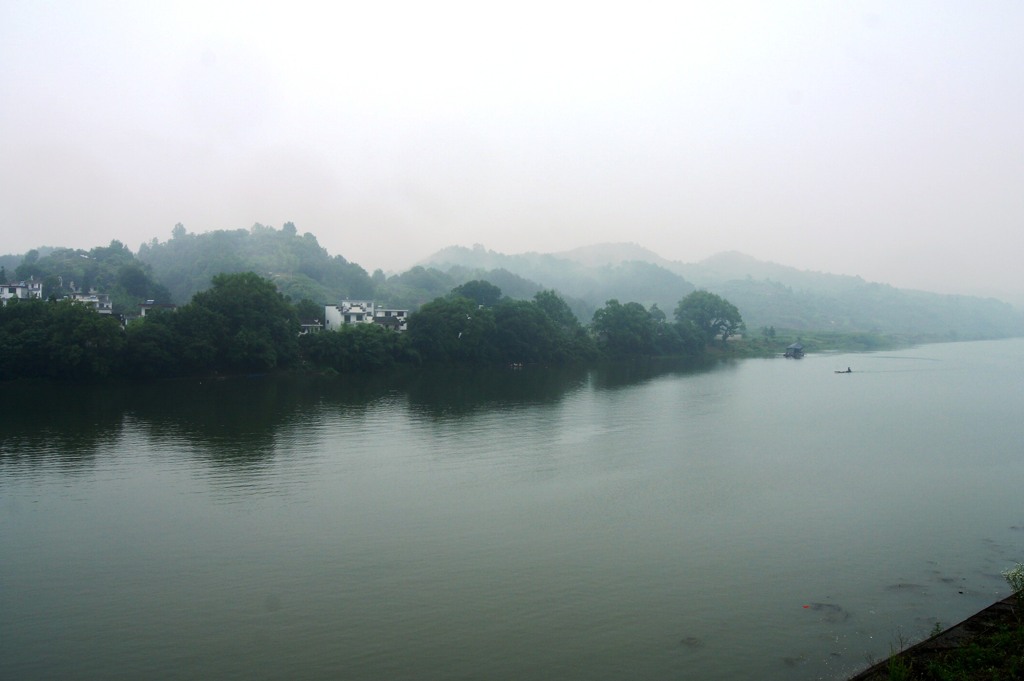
(63, 340)
(574, 341)
(524, 333)
(557, 309)
(307, 309)
(260, 327)
(133, 281)
(452, 329)
(624, 330)
(480, 292)
(711, 314)
(30, 269)
(24, 325)
(152, 348)
(199, 335)
(356, 348)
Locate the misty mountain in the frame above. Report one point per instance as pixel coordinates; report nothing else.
(767, 294)
(585, 285)
(113, 270)
(298, 265)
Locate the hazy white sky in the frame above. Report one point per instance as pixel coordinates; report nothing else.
(884, 139)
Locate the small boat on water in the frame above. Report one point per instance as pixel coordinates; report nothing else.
(848, 371)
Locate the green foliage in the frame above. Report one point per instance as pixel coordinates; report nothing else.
(260, 329)
(483, 293)
(710, 314)
(624, 330)
(899, 668)
(995, 654)
(62, 340)
(584, 286)
(150, 347)
(525, 334)
(417, 286)
(199, 335)
(307, 309)
(453, 329)
(557, 309)
(766, 294)
(356, 348)
(512, 285)
(241, 324)
(23, 338)
(458, 329)
(576, 341)
(298, 265)
(112, 270)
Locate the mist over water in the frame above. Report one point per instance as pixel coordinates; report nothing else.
(755, 519)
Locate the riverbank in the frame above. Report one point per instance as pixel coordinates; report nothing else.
(988, 645)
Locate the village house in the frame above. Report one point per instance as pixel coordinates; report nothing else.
(21, 291)
(98, 301)
(151, 305)
(363, 312)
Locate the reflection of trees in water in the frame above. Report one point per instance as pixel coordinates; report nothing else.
(58, 425)
(239, 422)
(455, 391)
(233, 422)
(626, 373)
(230, 421)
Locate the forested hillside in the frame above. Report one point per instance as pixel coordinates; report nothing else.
(112, 269)
(586, 287)
(299, 266)
(767, 294)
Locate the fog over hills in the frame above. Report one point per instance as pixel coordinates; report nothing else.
(767, 294)
(716, 269)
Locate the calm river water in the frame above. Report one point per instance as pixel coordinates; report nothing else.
(761, 519)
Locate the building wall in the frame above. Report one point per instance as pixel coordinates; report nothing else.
(360, 312)
(401, 315)
(22, 290)
(347, 312)
(99, 301)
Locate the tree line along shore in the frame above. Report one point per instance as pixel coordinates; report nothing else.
(243, 324)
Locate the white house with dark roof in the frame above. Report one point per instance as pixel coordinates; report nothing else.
(363, 312)
(98, 301)
(392, 319)
(22, 290)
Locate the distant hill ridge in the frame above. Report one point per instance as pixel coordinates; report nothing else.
(767, 294)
